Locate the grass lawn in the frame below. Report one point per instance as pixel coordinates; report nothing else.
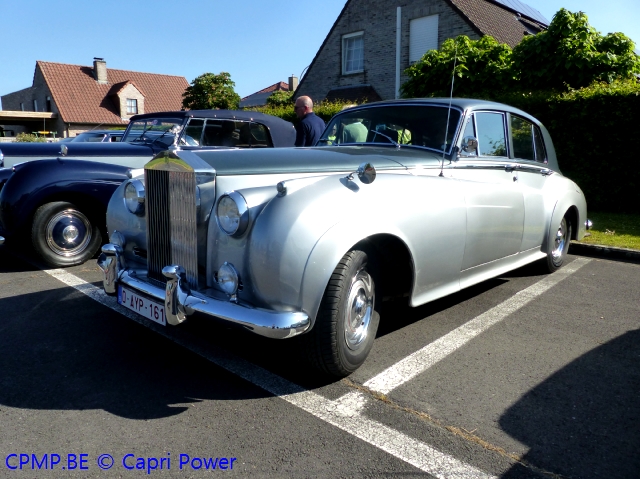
(614, 229)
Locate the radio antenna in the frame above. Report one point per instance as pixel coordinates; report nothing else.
(446, 130)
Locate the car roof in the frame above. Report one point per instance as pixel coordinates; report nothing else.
(246, 115)
(462, 103)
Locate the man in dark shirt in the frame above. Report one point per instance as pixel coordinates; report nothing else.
(311, 126)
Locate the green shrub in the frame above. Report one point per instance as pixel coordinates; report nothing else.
(324, 110)
(29, 138)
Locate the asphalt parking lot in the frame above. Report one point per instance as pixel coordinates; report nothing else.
(526, 375)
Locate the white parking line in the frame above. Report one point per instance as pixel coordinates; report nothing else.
(424, 358)
(344, 413)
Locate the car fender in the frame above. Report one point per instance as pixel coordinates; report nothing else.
(568, 197)
(299, 238)
(35, 183)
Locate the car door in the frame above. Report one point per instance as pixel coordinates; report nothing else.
(529, 152)
(494, 199)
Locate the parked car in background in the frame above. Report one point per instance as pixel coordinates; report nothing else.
(96, 136)
(59, 203)
(414, 198)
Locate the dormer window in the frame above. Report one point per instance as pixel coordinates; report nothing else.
(132, 106)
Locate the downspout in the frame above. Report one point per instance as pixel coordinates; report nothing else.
(398, 49)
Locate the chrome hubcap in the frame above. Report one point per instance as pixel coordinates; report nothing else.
(68, 233)
(560, 242)
(360, 301)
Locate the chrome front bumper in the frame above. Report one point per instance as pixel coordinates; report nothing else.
(180, 302)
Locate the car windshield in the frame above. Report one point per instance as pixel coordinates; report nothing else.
(153, 130)
(411, 125)
(96, 137)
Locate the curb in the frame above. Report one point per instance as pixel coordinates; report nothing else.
(607, 252)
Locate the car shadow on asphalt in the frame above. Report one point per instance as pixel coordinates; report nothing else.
(60, 350)
(584, 420)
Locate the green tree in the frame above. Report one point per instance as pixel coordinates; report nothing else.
(480, 65)
(210, 91)
(572, 54)
(280, 98)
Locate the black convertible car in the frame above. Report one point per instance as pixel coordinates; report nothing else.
(55, 195)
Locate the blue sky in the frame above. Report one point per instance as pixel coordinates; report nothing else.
(258, 42)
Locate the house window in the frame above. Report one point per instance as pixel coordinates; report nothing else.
(35, 105)
(21, 106)
(132, 106)
(423, 33)
(48, 103)
(353, 53)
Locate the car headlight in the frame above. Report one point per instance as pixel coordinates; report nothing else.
(134, 197)
(232, 213)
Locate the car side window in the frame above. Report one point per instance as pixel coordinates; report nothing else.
(491, 134)
(257, 135)
(193, 132)
(541, 152)
(522, 137)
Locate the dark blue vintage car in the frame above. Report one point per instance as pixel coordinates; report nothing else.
(58, 202)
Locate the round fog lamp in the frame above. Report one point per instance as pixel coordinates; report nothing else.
(228, 278)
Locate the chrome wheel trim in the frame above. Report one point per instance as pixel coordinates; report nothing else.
(68, 233)
(358, 310)
(559, 243)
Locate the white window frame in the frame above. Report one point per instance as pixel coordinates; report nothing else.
(345, 50)
(134, 103)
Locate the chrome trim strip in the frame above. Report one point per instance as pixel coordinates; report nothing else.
(180, 302)
(1, 240)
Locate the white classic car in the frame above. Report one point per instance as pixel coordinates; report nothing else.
(414, 198)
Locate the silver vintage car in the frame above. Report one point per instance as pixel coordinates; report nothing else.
(409, 198)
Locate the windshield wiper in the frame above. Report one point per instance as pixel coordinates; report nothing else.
(376, 132)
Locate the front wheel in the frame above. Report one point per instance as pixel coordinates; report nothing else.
(347, 320)
(558, 246)
(63, 235)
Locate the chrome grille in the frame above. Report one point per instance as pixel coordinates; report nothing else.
(171, 223)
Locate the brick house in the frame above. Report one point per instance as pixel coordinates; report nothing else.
(372, 42)
(80, 98)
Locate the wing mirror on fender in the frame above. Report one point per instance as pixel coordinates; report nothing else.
(366, 173)
(64, 150)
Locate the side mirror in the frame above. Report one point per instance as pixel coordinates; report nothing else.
(470, 144)
(64, 150)
(366, 173)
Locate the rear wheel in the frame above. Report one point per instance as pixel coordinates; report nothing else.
(558, 245)
(63, 235)
(347, 320)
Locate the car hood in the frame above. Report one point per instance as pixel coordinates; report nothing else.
(319, 159)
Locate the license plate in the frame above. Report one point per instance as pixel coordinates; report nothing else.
(142, 305)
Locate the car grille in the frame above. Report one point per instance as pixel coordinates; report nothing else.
(171, 223)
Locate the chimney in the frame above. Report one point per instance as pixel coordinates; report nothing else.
(100, 70)
(293, 83)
